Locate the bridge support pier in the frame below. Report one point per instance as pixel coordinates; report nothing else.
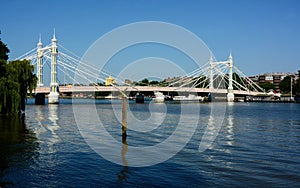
(230, 97)
(53, 97)
(39, 99)
(139, 98)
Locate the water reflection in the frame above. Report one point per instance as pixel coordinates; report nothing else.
(39, 117)
(46, 132)
(13, 131)
(219, 137)
(53, 127)
(123, 175)
(215, 121)
(229, 131)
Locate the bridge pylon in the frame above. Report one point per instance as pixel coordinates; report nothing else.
(230, 94)
(211, 76)
(39, 63)
(53, 97)
(39, 97)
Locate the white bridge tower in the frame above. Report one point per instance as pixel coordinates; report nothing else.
(40, 63)
(53, 97)
(230, 94)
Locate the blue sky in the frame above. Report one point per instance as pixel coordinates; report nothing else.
(263, 35)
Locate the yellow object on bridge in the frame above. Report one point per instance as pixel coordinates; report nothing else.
(110, 81)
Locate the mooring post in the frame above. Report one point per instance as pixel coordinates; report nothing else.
(124, 118)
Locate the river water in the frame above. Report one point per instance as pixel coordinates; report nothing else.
(258, 144)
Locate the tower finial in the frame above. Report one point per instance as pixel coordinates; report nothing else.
(39, 44)
(54, 37)
(54, 33)
(211, 57)
(230, 56)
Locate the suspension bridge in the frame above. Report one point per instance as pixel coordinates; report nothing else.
(212, 77)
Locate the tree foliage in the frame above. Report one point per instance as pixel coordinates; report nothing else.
(144, 82)
(238, 81)
(297, 85)
(201, 82)
(267, 86)
(285, 85)
(154, 82)
(3, 51)
(16, 78)
(223, 81)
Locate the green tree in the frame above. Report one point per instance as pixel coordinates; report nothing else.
(238, 81)
(267, 86)
(100, 84)
(25, 78)
(285, 85)
(154, 82)
(144, 82)
(16, 79)
(297, 85)
(163, 83)
(3, 51)
(223, 82)
(201, 81)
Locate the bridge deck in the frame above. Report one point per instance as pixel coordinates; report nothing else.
(78, 89)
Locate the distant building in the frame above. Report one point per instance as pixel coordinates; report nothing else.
(110, 81)
(171, 79)
(274, 78)
(128, 82)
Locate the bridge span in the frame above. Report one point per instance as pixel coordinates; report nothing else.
(83, 89)
(212, 77)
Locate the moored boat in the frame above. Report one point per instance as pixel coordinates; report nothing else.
(189, 98)
(159, 97)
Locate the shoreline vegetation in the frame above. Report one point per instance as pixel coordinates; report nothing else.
(16, 78)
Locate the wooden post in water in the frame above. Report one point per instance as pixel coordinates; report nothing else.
(124, 118)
